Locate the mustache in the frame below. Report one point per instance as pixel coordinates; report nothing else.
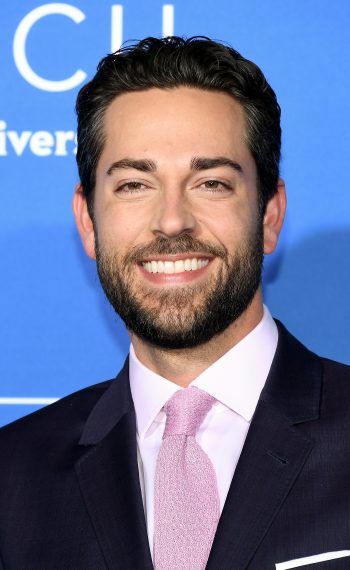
(173, 246)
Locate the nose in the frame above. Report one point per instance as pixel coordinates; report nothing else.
(173, 214)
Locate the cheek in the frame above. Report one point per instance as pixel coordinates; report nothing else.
(228, 225)
(121, 225)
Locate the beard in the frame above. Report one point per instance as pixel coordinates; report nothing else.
(189, 315)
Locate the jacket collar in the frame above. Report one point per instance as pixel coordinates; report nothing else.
(108, 476)
(294, 382)
(115, 402)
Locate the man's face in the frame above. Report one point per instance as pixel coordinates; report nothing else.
(178, 239)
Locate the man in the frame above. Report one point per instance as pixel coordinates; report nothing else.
(223, 442)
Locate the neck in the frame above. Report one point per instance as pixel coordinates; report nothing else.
(182, 366)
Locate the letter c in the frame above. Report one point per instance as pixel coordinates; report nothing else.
(19, 47)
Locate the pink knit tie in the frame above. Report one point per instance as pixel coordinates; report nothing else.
(187, 507)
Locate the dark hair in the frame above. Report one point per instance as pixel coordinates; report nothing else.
(172, 62)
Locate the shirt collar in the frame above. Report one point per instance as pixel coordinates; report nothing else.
(236, 379)
(149, 391)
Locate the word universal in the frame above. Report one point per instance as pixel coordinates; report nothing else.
(40, 143)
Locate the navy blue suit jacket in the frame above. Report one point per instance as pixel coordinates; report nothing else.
(69, 485)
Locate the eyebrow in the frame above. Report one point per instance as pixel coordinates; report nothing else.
(204, 163)
(143, 165)
(197, 163)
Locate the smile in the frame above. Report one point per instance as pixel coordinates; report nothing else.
(178, 266)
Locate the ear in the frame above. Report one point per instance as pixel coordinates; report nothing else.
(84, 222)
(273, 218)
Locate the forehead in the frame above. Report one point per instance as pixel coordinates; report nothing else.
(181, 121)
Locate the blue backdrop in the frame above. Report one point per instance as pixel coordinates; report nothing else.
(58, 333)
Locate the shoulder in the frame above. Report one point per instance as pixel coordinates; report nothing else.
(61, 421)
(336, 369)
(295, 354)
(301, 381)
(336, 387)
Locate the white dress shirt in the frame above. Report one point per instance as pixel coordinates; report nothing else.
(235, 381)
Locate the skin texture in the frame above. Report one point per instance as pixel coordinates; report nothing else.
(217, 206)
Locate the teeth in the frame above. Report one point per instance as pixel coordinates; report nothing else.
(169, 267)
(178, 266)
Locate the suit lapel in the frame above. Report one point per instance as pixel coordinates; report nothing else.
(270, 462)
(273, 455)
(109, 480)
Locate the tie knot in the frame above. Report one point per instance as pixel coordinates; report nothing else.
(186, 410)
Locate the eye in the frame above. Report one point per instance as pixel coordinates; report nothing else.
(215, 186)
(131, 187)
